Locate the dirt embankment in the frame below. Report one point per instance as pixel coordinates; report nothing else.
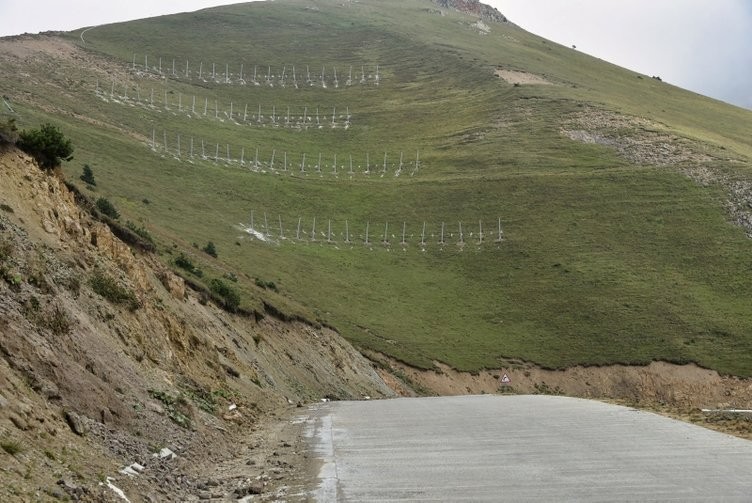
(106, 359)
(676, 390)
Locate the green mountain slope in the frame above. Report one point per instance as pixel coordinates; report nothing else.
(620, 197)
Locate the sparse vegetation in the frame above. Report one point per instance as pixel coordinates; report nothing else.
(6, 249)
(6, 208)
(204, 400)
(109, 288)
(176, 407)
(52, 318)
(57, 321)
(185, 263)
(47, 145)
(266, 285)
(106, 207)
(228, 297)
(12, 447)
(140, 230)
(542, 388)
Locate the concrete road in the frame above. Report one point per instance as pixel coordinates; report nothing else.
(520, 448)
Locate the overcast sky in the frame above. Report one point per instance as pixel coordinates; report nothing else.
(702, 45)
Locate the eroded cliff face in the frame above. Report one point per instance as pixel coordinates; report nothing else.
(90, 384)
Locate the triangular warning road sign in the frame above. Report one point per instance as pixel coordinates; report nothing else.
(505, 379)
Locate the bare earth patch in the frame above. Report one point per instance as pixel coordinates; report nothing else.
(637, 139)
(641, 141)
(521, 78)
(25, 46)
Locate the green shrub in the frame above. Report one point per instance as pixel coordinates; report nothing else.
(108, 288)
(185, 263)
(47, 145)
(210, 249)
(266, 285)
(227, 295)
(6, 208)
(106, 207)
(88, 175)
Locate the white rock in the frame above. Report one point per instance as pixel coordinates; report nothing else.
(117, 490)
(128, 470)
(166, 453)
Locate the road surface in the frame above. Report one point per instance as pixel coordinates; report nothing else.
(519, 448)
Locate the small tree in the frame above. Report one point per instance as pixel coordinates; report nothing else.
(47, 145)
(210, 249)
(106, 207)
(88, 175)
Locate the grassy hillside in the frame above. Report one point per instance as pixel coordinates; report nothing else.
(611, 253)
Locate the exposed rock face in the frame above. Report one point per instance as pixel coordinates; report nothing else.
(474, 7)
(159, 372)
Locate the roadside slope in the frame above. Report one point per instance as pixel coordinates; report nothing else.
(92, 383)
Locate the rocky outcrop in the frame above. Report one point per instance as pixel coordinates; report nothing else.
(474, 7)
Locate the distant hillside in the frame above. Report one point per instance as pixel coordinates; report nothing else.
(437, 187)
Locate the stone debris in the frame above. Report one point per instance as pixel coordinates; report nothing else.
(165, 453)
(133, 469)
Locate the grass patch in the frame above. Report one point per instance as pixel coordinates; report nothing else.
(12, 447)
